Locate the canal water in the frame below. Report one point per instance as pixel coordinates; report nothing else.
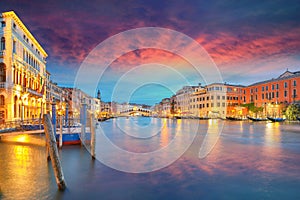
(249, 161)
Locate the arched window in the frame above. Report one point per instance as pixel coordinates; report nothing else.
(2, 43)
(2, 72)
(2, 100)
(15, 106)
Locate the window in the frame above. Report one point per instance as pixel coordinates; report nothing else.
(212, 97)
(277, 94)
(294, 93)
(2, 72)
(223, 97)
(3, 43)
(207, 105)
(212, 104)
(218, 104)
(14, 25)
(255, 89)
(285, 84)
(273, 87)
(3, 24)
(263, 96)
(14, 46)
(267, 88)
(277, 86)
(218, 97)
(223, 104)
(294, 83)
(285, 93)
(262, 88)
(2, 100)
(272, 95)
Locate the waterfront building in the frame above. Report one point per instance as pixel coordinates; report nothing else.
(22, 71)
(216, 100)
(105, 109)
(183, 97)
(274, 94)
(166, 107)
(234, 95)
(198, 103)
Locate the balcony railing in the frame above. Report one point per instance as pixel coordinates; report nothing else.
(3, 85)
(2, 53)
(34, 92)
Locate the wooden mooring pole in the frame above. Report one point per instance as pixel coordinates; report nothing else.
(60, 131)
(93, 138)
(52, 147)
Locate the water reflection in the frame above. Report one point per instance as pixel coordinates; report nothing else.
(23, 172)
(257, 161)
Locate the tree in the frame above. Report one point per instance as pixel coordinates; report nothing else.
(251, 107)
(292, 111)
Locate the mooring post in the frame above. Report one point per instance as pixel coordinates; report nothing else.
(47, 151)
(54, 117)
(93, 138)
(66, 114)
(51, 141)
(83, 121)
(60, 131)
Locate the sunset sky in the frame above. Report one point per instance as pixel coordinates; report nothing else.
(249, 40)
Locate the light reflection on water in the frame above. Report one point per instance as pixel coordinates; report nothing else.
(249, 161)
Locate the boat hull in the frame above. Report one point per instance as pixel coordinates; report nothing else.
(257, 119)
(276, 119)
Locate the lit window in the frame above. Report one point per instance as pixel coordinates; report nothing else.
(2, 100)
(3, 43)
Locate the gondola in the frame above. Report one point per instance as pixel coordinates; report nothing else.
(257, 119)
(234, 118)
(273, 119)
(298, 118)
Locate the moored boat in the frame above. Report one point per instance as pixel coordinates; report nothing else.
(256, 119)
(234, 118)
(273, 119)
(71, 135)
(298, 118)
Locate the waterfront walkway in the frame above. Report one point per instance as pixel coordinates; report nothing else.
(22, 133)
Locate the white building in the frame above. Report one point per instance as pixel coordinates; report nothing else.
(22, 71)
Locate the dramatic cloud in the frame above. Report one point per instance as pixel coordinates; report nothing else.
(254, 35)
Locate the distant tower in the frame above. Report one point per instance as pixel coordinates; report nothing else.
(99, 95)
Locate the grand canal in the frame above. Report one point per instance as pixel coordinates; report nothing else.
(249, 161)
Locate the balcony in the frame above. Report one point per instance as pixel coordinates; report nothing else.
(3, 85)
(33, 92)
(2, 53)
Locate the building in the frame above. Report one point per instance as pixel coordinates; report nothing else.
(166, 107)
(183, 97)
(22, 71)
(274, 94)
(234, 95)
(198, 102)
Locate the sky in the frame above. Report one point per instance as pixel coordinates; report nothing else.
(249, 40)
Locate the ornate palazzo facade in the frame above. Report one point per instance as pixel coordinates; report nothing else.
(22, 71)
